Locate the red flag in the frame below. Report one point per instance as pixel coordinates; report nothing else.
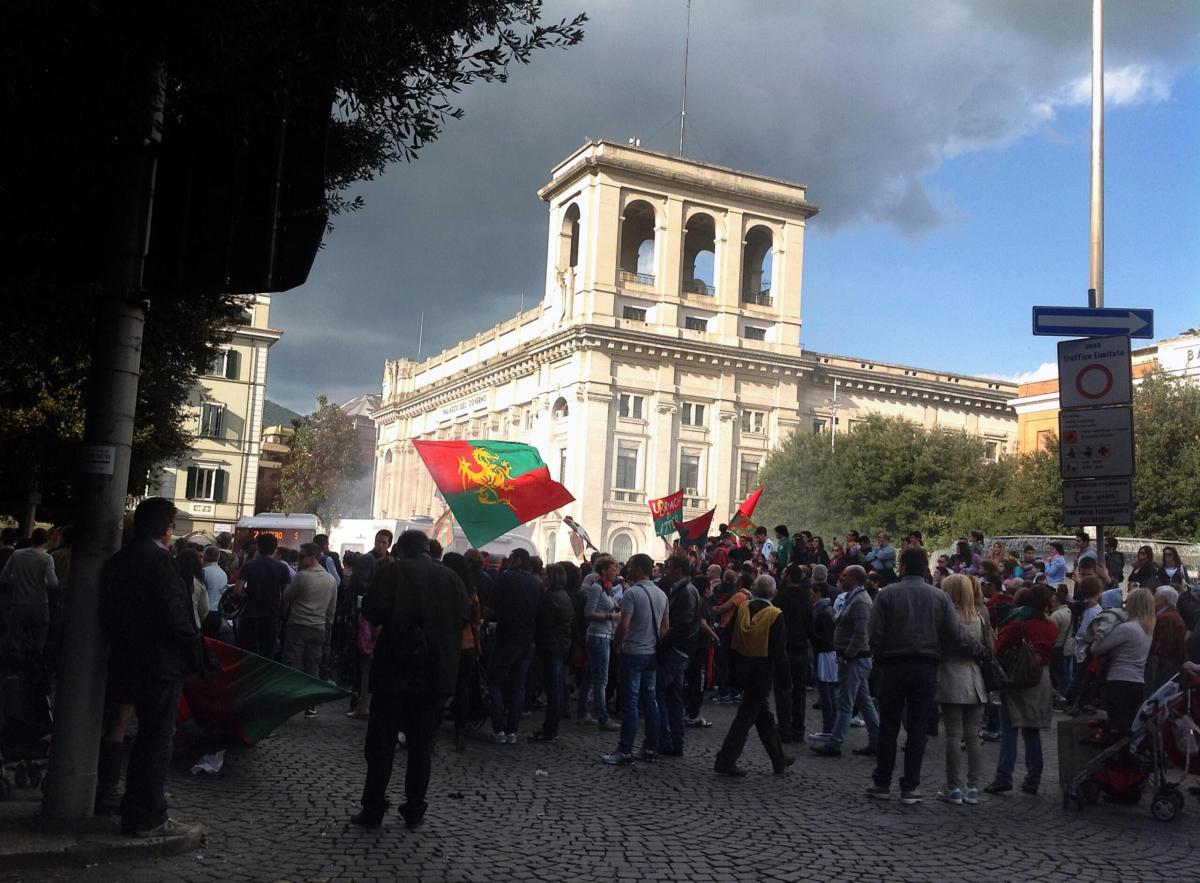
(747, 508)
(695, 532)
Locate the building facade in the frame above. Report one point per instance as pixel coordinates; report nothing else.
(665, 354)
(216, 482)
(1036, 403)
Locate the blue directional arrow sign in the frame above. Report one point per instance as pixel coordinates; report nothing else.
(1088, 322)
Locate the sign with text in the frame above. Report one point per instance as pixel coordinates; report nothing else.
(1098, 501)
(1094, 371)
(665, 511)
(1095, 442)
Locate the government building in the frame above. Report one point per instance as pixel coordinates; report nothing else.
(665, 354)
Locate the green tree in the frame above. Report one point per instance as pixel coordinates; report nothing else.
(1166, 426)
(322, 465)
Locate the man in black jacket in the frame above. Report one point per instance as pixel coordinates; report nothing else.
(555, 619)
(674, 652)
(514, 610)
(422, 608)
(155, 645)
(790, 700)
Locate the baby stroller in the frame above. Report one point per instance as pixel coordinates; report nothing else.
(25, 718)
(1163, 736)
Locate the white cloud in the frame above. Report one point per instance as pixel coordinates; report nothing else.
(1044, 371)
(1125, 86)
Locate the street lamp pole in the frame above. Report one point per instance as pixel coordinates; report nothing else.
(833, 409)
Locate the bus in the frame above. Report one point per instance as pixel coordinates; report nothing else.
(290, 529)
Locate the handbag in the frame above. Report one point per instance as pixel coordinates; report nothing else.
(1021, 664)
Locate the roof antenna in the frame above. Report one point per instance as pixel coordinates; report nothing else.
(686, 40)
(420, 336)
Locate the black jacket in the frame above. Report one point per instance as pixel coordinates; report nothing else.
(555, 618)
(147, 615)
(422, 608)
(796, 604)
(683, 604)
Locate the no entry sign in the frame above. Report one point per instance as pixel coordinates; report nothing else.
(1093, 372)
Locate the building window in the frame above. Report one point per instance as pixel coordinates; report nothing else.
(753, 421)
(551, 542)
(748, 477)
(212, 419)
(206, 483)
(695, 323)
(225, 365)
(626, 478)
(562, 465)
(693, 414)
(753, 333)
(629, 406)
(636, 314)
(819, 426)
(622, 547)
(529, 415)
(993, 450)
(689, 473)
(1043, 439)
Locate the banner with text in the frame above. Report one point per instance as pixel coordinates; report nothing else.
(665, 511)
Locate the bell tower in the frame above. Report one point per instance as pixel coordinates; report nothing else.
(679, 248)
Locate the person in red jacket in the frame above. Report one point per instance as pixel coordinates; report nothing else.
(1029, 709)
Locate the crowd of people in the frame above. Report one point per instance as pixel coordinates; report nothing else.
(884, 638)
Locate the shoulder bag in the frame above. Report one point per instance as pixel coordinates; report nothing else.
(1021, 664)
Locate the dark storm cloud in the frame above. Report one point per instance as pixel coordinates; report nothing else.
(861, 101)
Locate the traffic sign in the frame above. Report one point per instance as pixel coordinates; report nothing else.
(1098, 501)
(1094, 371)
(1095, 442)
(1088, 322)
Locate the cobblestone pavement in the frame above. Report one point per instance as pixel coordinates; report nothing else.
(279, 812)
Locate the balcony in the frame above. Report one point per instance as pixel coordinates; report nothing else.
(697, 286)
(646, 280)
(624, 495)
(760, 298)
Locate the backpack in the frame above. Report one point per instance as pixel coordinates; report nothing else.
(1021, 663)
(1104, 622)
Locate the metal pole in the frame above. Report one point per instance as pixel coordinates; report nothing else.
(1096, 274)
(687, 38)
(104, 472)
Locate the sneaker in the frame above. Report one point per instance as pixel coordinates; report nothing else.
(609, 726)
(950, 795)
(880, 792)
(826, 749)
(998, 788)
(697, 722)
(617, 759)
(857, 722)
(819, 737)
(989, 735)
(310, 712)
(539, 736)
(510, 739)
(865, 751)
(971, 796)
(500, 738)
(908, 798)
(171, 828)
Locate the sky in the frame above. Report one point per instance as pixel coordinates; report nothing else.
(946, 142)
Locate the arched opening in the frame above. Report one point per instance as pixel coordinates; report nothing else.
(568, 239)
(757, 259)
(386, 502)
(551, 544)
(699, 254)
(622, 547)
(637, 253)
(560, 410)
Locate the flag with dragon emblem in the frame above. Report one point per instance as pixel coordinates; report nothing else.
(491, 486)
(443, 530)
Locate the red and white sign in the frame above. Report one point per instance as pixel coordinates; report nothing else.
(1094, 371)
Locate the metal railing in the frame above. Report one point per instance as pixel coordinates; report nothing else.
(628, 277)
(698, 286)
(762, 298)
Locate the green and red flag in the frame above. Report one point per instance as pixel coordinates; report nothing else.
(248, 695)
(665, 511)
(443, 530)
(740, 523)
(695, 532)
(491, 486)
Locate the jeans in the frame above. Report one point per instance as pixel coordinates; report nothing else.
(910, 683)
(506, 686)
(1060, 672)
(302, 646)
(638, 673)
(668, 689)
(552, 680)
(962, 724)
(416, 715)
(827, 695)
(145, 805)
(597, 650)
(1008, 751)
(852, 690)
(753, 711)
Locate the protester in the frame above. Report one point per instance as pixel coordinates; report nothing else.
(1123, 651)
(1168, 644)
(852, 643)
(1028, 710)
(308, 603)
(759, 641)
(602, 616)
(262, 580)
(216, 580)
(1114, 560)
(147, 616)
(644, 619)
(421, 608)
(674, 653)
(962, 696)
(27, 579)
(1174, 572)
(1146, 573)
(796, 603)
(825, 658)
(882, 560)
(515, 600)
(1061, 659)
(466, 684)
(552, 642)
(910, 623)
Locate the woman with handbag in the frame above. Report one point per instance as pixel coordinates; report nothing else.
(962, 696)
(1025, 646)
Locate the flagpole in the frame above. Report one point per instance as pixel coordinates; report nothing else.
(1096, 269)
